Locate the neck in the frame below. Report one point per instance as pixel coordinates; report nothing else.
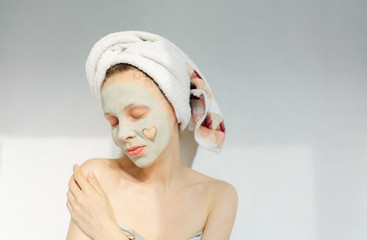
(166, 171)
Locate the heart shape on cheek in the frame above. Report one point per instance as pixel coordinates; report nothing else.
(150, 133)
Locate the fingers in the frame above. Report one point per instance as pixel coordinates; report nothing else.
(94, 182)
(68, 205)
(81, 187)
(71, 202)
(74, 187)
(71, 198)
(80, 178)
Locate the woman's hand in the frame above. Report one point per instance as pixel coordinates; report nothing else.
(89, 206)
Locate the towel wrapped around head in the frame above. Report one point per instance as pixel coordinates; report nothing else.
(174, 72)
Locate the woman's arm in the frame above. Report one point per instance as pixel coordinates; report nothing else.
(74, 233)
(223, 213)
(91, 212)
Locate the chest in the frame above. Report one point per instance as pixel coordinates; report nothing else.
(159, 215)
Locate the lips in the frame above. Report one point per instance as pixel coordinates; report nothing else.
(135, 151)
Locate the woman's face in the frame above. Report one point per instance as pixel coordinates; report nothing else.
(139, 116)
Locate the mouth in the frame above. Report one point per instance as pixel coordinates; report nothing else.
(135, 151)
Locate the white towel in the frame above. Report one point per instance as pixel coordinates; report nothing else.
(175, 73)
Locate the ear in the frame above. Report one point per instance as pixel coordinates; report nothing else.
(206, 119)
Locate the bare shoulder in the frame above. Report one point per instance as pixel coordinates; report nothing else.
(219, 190)
(223, 193)
(222, 208)
(226, 190)
(97, 165)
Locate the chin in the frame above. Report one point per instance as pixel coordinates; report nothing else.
(143, 163)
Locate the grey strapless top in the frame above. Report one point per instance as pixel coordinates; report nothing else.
(132, 235)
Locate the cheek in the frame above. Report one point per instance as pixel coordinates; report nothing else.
(115, 133)
(155, 127)
(115, 138)
(150, 133)
(163, 128)
(171, 118)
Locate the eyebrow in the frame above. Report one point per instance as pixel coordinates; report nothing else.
(131, 105)
(137, 105)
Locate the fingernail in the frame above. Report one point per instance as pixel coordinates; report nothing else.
(91, 174)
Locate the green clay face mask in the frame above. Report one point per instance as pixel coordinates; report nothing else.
(142, 130)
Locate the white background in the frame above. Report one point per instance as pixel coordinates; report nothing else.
(290, 77)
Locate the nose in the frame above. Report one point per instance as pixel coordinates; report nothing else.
(127, 139)
(125, 133)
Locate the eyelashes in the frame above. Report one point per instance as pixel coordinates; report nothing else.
(134, 113)
(137, 111)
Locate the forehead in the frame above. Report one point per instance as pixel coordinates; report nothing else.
(133, 76)
(125, 92)
(118, 96)
(139, 79)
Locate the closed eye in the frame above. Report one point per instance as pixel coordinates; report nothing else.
(113, 120)
(139, 112)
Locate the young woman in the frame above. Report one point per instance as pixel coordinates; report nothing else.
(148, 193)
